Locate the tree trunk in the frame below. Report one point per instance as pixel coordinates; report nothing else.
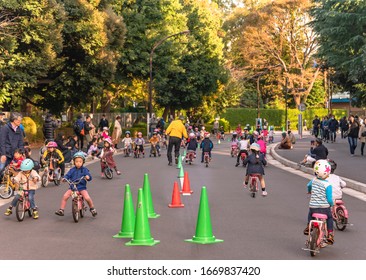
(165, 113)
(308, 90)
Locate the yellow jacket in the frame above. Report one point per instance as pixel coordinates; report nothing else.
(56, 154)
(177, 129)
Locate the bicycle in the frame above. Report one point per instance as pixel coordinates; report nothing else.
(190, 157)
(78, 207)
(138, 151)
(108, 172)
(243, 156)
(51, 174)
(254, 183)
(206, 158)
(23, 205)
(234, 151)
(340, 214)
(317, 234)
(154, 150)
(127, 150)
(7, 185)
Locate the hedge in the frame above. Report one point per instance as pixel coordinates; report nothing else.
(275, 117)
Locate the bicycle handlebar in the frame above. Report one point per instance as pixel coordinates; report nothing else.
(74, 182)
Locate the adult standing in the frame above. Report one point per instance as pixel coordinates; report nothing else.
(216, 125)
(153, 124)
(49, 127)
(344, 126)
(176, 131)
(11, 138)
(316, 125)
(2, 122)
(354, 128)
(160, 125)
(88, 130)
(362, 135)
(79, 131)
(333, 127)
(117, 131)
(103, 123)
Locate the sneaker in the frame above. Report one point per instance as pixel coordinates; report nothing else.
(35, 214)
(264, 193)
(118, 173)
(245, 184)
(170, 163)
(102, 175)
(8, 212)
(237, 164)
(306, 230)
(93, 211)
(60, 212)
(330, 239)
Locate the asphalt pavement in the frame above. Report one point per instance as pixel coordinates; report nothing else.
(261, 228)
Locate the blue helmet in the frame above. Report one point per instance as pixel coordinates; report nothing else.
(27, 165)
(79, 155)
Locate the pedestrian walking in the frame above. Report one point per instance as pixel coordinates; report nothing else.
(344, 126)
(362, 135)
(117, 131)
(49, 127)
(79, 131)
(333, 127)
(176, 131)
(316, 126)
(353, 131)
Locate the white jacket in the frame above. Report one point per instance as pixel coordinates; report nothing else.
(337, 185)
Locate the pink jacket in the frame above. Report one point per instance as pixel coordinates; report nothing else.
(263, 146)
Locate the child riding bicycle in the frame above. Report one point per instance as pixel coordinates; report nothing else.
(321, 198)
(337, 183)
(74, 174)
(256, 163)
(154, 141)
(27, 180)
(243, 148)
(206, 146)
(54, 156)
(139, 144)
(106, 157)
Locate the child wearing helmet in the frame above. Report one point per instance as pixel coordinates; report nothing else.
(106, 157)
(139, 144)
(270, 135)
(127, 143)
(27, 180)
(256, 163)
(191, 145)
(337, 183)
(206, 146)
(321, 196)
(74, 175)
(54, 156)
(243, 148)
(154, 141)
(105, 133)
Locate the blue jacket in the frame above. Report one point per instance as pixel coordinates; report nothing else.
(10, 140)
(206, 145)
(75, 174)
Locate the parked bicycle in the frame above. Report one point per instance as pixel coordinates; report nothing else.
(78, 206)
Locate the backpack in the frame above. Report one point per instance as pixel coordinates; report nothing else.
(77, 127)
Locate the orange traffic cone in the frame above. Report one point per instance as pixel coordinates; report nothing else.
(176, 201)
(186, 190)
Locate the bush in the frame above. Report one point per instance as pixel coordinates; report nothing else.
(30, 129)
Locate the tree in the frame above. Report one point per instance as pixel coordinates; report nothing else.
(341, 29)
(274, 42)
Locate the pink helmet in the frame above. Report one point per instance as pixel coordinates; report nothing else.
(51, 144)
(109, 140)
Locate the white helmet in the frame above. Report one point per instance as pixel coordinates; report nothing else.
(255, 133)
(255, 147)
(322, 169)
(192, 135)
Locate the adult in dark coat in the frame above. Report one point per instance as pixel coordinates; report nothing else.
(333, 126)
(11, 138)
(354, 127)
(49, 127)
(103, 123)
(66, 150)
(80, 132)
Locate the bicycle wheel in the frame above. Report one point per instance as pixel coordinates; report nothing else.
(108, 173)
(83, 208)
(341, 221)
(57, 179)
(6, 191)
(44, 179)
(75, 210)
(314, 235)
(19, 210)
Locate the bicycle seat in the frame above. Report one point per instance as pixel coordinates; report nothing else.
(320, 216)
(339, 202)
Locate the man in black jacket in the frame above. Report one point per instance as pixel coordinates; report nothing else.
(49, 127)
(317, 151)
(103, 123)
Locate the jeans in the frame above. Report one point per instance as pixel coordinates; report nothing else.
(31, 194)
(333, 135)
(325, 211)
(352, 144)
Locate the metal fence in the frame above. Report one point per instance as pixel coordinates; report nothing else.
(127, 119)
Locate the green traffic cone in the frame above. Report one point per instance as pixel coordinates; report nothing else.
(128, 216)
(179, 162)
(148, 198)
(181, 176)
(204, 228)
(142, 235)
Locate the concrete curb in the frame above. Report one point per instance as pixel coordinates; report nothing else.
(352, 184)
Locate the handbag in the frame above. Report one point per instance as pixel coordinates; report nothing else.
(363, 134)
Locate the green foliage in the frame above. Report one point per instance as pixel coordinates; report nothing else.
(275, 117)
(317, 96)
